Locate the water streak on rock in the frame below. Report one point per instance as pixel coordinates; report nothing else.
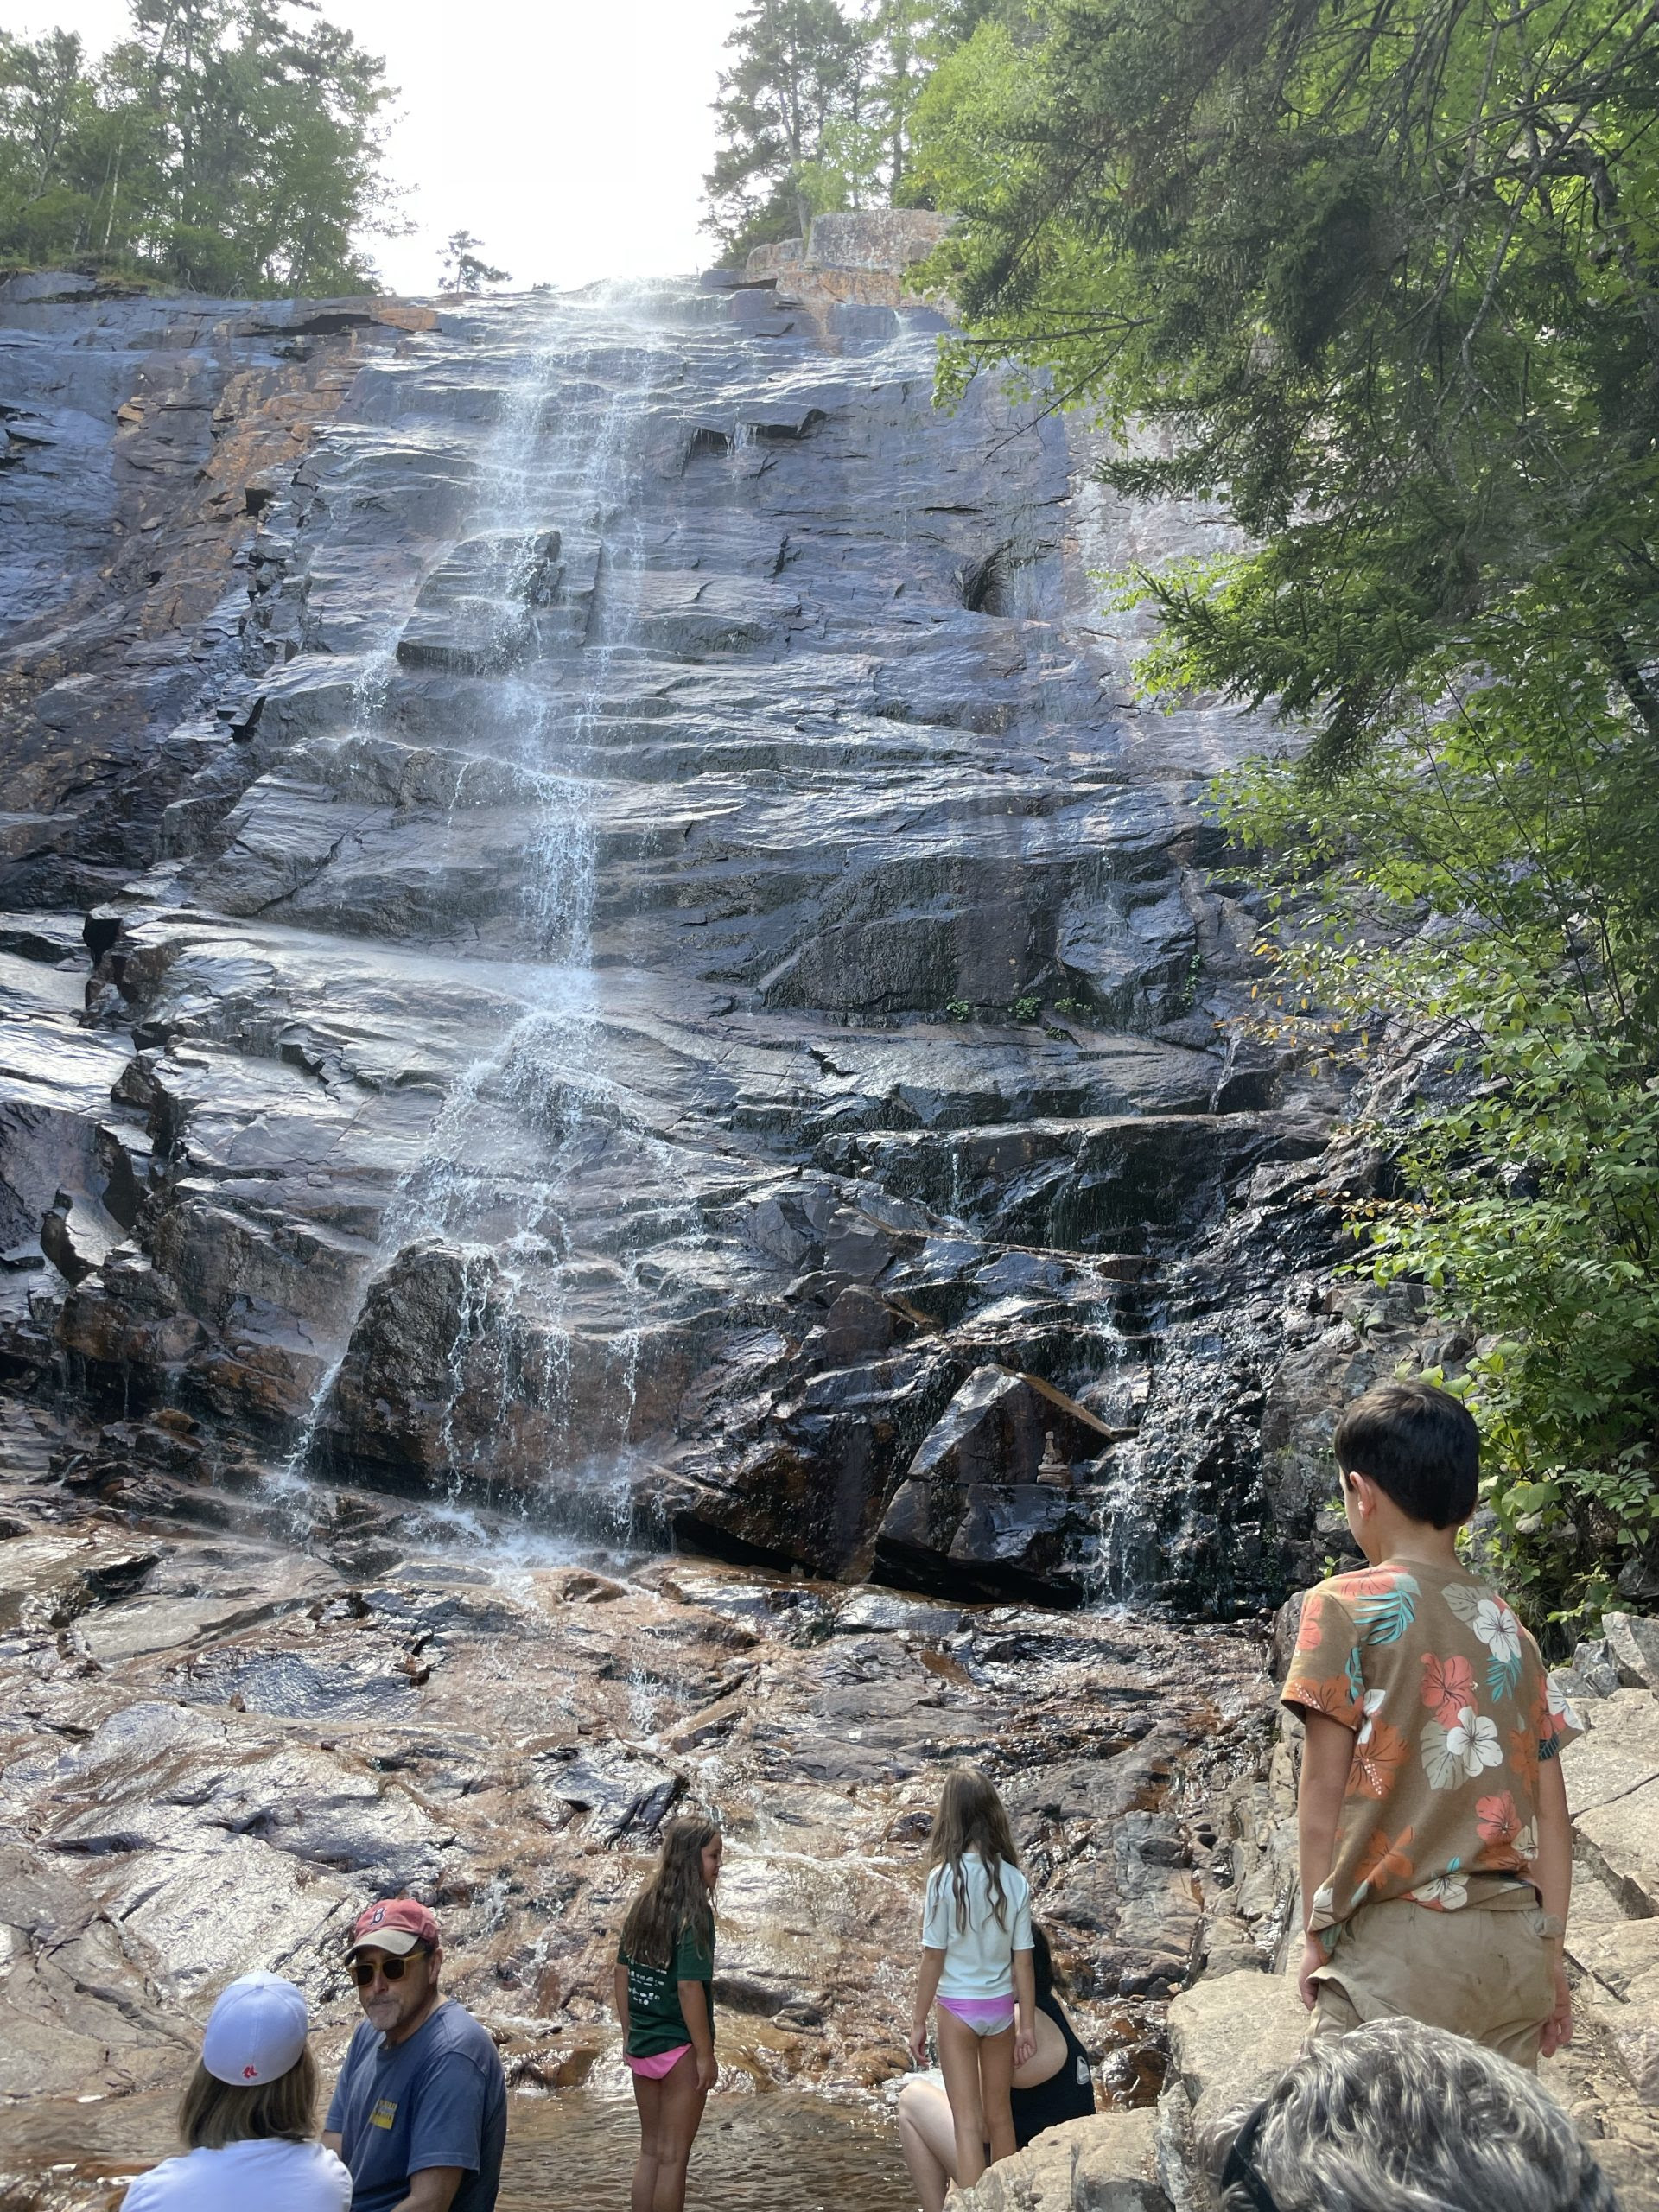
(675, 954)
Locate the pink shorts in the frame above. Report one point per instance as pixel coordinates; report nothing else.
(986, 2016)
(660, 2063)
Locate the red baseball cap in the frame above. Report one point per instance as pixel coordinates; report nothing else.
(395, 1925)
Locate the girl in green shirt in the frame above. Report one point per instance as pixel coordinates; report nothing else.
(665, 2000)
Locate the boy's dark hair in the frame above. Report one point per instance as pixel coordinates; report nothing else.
(1419, 1445)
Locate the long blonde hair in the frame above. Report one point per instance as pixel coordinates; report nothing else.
(675, 1898)
(971, 1817)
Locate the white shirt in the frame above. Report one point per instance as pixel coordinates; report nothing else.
(271, 2175)
(979, 1958)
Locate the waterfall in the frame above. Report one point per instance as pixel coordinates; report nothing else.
(551, 564)
(693, 968)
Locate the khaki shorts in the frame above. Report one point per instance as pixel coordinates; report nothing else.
(1484, 1974)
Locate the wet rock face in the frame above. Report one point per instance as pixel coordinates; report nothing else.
(142, 437)
(216, 1749)
(654, 948)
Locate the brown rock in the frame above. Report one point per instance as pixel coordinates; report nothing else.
(1108, 2163)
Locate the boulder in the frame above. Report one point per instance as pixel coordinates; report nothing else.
(1632, 1640)
(995, 1428)
(1230, 2040)
(768, 261)
(1012, 1539)
(1594, 1672)
(1623, 1957)
(1612, 1793)
(978, 1508)
(878, 237)
(1106, 2163)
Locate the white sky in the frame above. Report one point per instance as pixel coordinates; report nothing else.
(571, 137)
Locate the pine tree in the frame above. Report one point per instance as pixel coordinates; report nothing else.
(798, 79)
(231, 145)
(464, 269)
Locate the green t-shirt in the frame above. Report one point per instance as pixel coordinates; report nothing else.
(656, 2022)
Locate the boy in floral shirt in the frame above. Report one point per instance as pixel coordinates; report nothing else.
(1436, 1858)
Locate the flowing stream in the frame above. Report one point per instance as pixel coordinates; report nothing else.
(553, 560)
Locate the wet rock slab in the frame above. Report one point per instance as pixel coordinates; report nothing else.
(192, 1783)
(607, 941)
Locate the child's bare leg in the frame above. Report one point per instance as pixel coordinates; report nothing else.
(680, 2115)
(648, 2100)
(959, 2063)
(996, 2080)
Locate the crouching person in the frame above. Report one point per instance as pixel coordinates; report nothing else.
(248, 2118)
(420, 2111)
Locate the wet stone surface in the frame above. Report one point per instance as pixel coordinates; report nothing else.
(501, 1728)
(594, 900)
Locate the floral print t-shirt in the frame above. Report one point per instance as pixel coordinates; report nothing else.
(1451, 1712)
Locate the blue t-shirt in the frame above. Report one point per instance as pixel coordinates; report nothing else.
(438, 2100)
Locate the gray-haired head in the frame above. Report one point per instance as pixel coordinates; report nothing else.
(1396, 2117)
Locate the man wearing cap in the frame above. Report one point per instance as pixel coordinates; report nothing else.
(420, 2111)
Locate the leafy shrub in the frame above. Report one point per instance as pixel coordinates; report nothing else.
(1478, 884)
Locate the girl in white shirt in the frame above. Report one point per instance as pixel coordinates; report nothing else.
(249, 2116)
(976, 1961)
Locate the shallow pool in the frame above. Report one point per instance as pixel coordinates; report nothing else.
(779, 2150)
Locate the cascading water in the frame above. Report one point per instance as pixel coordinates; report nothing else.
(697, 859)
(682, 955)
(552, 563)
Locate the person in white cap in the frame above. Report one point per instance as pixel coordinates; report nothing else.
(248, 2116)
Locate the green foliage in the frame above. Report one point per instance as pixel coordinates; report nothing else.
(1388, 275)
(787, 108)
(817, 112)
(1386, 282)
(969, 100)
(1481, 878)
(464, 269)
(227, 145)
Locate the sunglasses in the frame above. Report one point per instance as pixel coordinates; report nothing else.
(363, 1971)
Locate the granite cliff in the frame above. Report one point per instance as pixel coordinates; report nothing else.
(597, 957)
(639, 959)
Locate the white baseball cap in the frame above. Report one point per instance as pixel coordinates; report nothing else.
(255, 2032)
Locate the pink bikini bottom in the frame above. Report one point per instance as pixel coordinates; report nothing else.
(986, 2016)
(660, 2063)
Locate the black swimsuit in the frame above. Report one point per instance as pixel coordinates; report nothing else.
(1069, 2092)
